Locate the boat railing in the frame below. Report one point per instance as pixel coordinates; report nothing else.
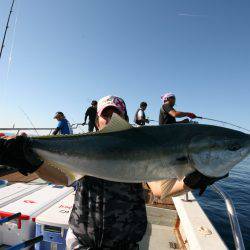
(76, 125)
(27, 129)
(235, 226)
(73, 126)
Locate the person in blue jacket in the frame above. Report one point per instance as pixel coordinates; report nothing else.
(63, 126)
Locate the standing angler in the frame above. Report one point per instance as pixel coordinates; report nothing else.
(168, 114)
(91, 113)
(140, 117)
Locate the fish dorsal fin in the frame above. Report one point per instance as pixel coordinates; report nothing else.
(116, 124)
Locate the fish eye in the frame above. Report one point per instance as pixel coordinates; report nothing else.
(234, 147)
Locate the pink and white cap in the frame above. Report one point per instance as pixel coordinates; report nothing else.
(111, 101)
(166, 96)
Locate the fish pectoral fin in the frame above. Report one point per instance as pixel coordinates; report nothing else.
(116, 124)
(55, 170)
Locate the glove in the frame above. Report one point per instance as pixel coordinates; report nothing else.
(197, 180)
(17, 153)
(191, 115)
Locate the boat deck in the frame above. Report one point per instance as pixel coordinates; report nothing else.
(163, 230)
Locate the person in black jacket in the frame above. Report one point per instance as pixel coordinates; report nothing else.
(91, 113)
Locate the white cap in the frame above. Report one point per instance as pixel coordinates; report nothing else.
(111, 101)
(166, 96)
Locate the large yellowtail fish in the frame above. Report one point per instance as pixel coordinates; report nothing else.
(124, 153)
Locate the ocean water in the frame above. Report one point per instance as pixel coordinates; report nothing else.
(237, 185)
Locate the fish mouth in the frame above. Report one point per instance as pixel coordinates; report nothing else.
(214, 157)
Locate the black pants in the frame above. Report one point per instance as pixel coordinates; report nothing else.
(92, 126)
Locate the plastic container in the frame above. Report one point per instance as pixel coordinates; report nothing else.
(30, 206)
(53, 224)
(3, 183)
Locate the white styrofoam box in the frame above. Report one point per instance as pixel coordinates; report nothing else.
(30, 206)
(58, 214)
(16, 191)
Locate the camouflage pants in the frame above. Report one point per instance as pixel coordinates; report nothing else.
(72, 243)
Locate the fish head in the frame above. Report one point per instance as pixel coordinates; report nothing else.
(215, 151)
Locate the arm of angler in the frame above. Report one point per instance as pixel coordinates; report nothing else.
(173, 187)
(17, 153)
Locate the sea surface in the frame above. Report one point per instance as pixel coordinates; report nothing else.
(237, 185)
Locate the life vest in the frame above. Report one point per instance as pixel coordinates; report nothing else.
(136, 120)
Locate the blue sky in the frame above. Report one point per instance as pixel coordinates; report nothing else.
(68, 52)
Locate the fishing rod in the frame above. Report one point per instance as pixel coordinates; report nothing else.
(26, 115)
(27, 243)
(152, 120)
(12, 46)
(9, 218)
(214, 120)
(6, 28)
(228, 123)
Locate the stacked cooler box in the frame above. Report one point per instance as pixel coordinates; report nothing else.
(30, 206)
(53, 224)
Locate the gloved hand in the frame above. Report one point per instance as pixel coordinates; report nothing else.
(191, 115)
(83, 124)
(197, 180)
(17, 153)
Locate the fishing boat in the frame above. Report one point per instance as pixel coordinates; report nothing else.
(179, 223)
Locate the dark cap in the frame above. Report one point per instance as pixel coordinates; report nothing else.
(94, 102)
(143, 104)
(58, 113)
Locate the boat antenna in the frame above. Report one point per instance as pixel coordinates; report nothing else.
(6, 28)
(228, 123)
(26, 115)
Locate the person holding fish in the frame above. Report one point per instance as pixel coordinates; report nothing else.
(168, 114)
(106, 214)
